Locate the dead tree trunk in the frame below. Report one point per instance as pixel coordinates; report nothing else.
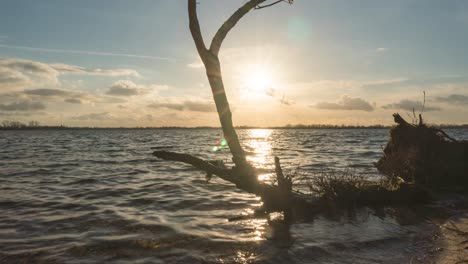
(275, 197)
(213, 71)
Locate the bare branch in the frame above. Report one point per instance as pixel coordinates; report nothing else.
(230, 23)
(195, 29)
(274, 3)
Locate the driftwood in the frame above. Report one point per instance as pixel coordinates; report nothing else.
(424, 155)
(275, 197)
(281, 197)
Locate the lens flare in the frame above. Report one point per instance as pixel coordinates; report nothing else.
(220, 144)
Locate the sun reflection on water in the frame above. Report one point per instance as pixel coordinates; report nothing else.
(260, 151)
(258, 226)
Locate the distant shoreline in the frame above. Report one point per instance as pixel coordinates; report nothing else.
(464, 126)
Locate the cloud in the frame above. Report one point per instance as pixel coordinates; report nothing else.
(18, 73)
(94, 117)
(200, 106)
(14, 114)
(125, 88)
(73, 101)
(286, 101)
(195, 106)
(47, 92)
(22, 106)
(410, 105)
(11, 79)
(196, 65)
(381, 49)
(112, 100)
(173, 106)
(85, 52)
(281, 99)
(456, 99)
(68, 96)
(346, 103)
(66, 68)
(270, 92)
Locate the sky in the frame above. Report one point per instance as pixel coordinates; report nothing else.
(116, 63)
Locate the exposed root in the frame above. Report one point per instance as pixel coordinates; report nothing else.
(424, 155)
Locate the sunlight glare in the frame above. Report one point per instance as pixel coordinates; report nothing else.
(258, 79)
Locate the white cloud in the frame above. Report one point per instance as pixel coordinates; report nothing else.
(66, 68)
(124, 88)
(86, 52)
(196, 65)
(128, 88)
(18, 73)
(11, 79)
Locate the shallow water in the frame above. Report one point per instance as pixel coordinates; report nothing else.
(93, 196)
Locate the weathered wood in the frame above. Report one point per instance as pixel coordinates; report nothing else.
(213, 72)
(425, 155)
(281, 198)
(273, 196)
(399, 120)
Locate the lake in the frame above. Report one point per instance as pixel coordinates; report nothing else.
(93, 196)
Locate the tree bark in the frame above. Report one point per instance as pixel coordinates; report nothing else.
(275, 198)
(213, 72)
(281, 198)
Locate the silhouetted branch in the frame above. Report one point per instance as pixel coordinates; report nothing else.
(274, 3)
(445, 135)
(196, 162)
(283, 182)
(195, 29)
(273, 196)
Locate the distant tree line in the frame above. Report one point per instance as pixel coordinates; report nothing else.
(7, 124)
(17, 124)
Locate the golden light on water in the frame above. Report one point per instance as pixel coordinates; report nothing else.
(259, 146)
(259, 228)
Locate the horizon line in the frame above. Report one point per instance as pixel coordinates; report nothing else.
(315, 126)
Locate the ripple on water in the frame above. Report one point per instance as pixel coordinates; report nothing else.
(94, 196)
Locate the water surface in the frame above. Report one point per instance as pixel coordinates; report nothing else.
(93, 196)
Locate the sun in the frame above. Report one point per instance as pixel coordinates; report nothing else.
(258, 79)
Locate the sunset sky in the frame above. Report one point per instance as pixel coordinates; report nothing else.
(133, 63)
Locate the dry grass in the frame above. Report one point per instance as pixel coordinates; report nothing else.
(338, 187)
